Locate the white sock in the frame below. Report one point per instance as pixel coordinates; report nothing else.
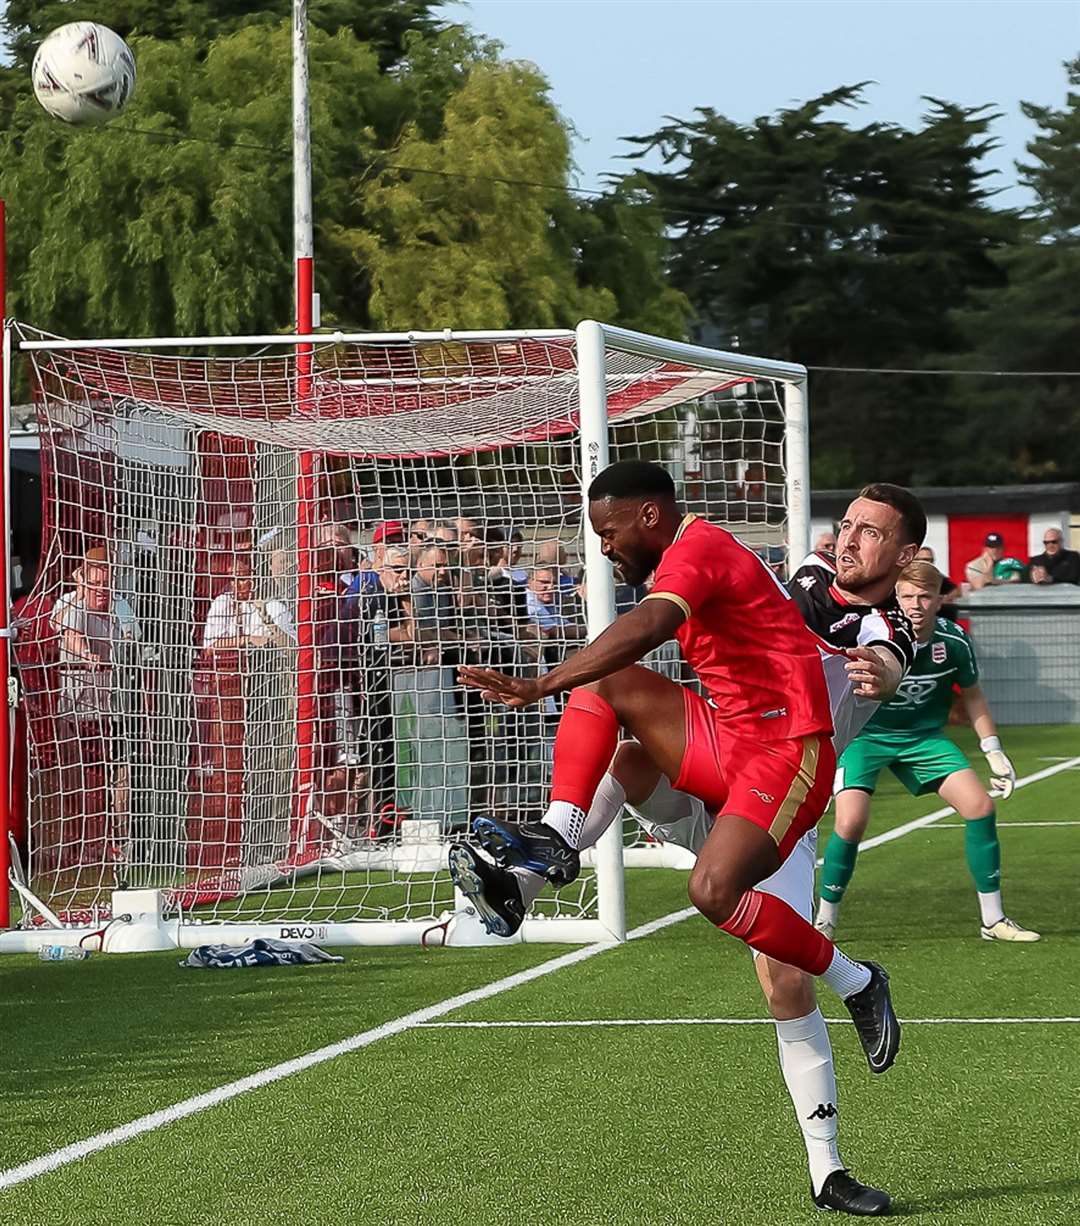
(606, 806)
(844, 976)
(583, 830)
(828, 912)
(567, 820)
(807, 1065)
(990, 908)
(530, 885)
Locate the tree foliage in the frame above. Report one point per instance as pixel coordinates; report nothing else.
(141, 229)
(460, 231)
(440, 197)
(383, 24)
(804, 237)
(1029, 429)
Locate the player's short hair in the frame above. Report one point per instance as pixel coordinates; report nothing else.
(632, 479)
(912, 515)
(923, 575)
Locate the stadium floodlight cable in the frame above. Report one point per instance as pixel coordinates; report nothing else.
(983, 374)
(193, 814)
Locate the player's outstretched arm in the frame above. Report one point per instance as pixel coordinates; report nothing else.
(1002, 772)
(626, 641)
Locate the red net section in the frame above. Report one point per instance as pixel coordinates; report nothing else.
(189, 583)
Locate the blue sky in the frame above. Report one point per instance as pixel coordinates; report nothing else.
(618, 66)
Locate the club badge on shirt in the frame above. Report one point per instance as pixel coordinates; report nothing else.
(938, 653)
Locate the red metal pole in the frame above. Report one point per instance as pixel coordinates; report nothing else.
(5, 602)
(305, 523)
(304, 253)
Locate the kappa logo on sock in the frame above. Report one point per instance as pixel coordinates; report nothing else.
(823, 1111)
(763, 796)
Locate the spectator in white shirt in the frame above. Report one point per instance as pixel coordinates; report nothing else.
(237, 620)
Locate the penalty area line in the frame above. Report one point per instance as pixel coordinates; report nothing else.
(929, 819)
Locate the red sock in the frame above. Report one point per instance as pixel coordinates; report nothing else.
(584, 746)
(766, 923)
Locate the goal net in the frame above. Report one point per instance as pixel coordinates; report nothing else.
(263, 563)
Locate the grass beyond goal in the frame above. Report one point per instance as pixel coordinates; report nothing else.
(225, 740)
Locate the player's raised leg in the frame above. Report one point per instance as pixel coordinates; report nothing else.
(584, 747)
(964, 791)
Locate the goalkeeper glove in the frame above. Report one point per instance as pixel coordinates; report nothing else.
(1002, 774)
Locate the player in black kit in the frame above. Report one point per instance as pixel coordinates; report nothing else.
(867, 645)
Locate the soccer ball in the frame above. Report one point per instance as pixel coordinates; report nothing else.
(83, 73)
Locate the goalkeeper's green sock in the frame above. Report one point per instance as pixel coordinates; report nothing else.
(840, 857)
(983, 854)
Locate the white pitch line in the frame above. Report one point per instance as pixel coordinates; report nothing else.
(1001, 825)
(918, 823)
(734, 1021)
(212, 1098)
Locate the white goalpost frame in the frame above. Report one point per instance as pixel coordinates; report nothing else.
(138, 922)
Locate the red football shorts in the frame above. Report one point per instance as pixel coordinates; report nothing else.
(782, 786)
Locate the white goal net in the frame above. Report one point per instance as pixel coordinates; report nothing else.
(237, 665)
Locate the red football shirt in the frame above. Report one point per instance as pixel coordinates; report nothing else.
(744, 636)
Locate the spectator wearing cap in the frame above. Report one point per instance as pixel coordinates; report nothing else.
(389, 532)
(992, 567)
(1055, 564)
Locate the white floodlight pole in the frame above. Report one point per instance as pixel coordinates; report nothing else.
(303, 226)
(304, 255)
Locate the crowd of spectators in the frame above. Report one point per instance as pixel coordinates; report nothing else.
(993, 566)
(425, 595)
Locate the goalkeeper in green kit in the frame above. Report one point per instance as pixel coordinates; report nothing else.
(905, 735)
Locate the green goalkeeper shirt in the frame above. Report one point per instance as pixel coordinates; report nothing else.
(925, 695)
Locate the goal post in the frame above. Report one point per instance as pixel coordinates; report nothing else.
(264, 559)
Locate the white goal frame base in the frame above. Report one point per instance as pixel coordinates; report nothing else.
(139, 926)
(650, 855)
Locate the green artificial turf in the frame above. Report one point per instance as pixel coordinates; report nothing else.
(605, 1124)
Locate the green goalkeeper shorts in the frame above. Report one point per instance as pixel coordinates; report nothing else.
(919, 762)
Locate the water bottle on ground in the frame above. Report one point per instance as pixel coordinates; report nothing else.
(63, 953)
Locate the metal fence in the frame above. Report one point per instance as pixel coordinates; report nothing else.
(1027, 641)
